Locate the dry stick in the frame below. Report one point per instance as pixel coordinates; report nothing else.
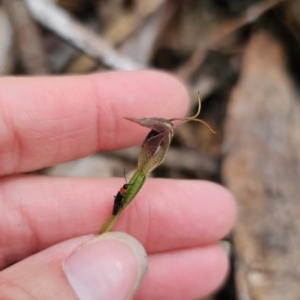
(57, 20)
(142, 42)
(128, 23)
(6, 44)
(133, 26)
(222, 31)
(28, 37)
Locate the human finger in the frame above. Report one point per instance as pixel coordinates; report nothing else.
(110, 266)
(185, 274)
(47, 120)
(166, 215)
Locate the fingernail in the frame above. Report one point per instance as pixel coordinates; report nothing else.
(110, 266)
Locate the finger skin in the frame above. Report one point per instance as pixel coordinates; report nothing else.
(183, 274)
(41, 276)
(187, 274)
(37, 212)
(47, 120)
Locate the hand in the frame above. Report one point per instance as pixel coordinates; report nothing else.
(46, 247)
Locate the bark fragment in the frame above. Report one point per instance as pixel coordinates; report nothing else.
(262, 169)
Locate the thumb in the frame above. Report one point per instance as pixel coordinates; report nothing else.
(110, 266)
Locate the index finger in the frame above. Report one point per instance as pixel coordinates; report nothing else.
(47, 120)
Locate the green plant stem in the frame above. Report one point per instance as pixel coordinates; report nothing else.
(135, 184)
(109, 224)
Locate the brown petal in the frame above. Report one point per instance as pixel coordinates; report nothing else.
(154, 150)
(157, 124)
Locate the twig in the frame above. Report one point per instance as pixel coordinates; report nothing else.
(142, 42)
(6, 44)
(128, 23)
(57, 20)
(131, 25)
(222, 31)
(28, 37)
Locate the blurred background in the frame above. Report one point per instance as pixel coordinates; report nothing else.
(244, 59)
